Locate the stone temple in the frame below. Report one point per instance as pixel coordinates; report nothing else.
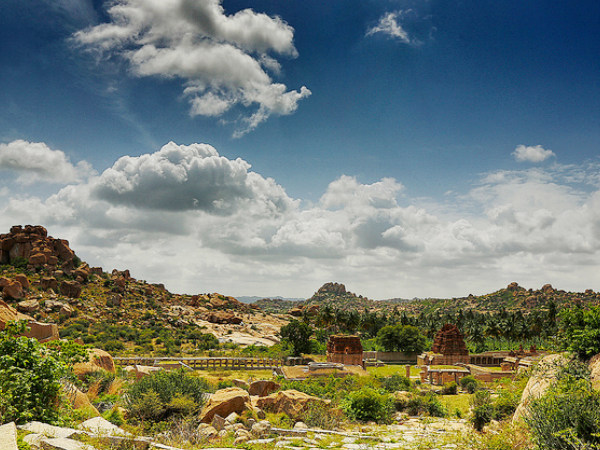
(448, 348)
(345, 350)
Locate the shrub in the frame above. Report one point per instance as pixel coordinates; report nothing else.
(567, 417)
(395, 382)
(368, 404)
(322, 416)
(469, 383)
(165, 393)
(450, 388)
(425, 404)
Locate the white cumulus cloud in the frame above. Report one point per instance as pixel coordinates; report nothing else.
(532, 153)
(35, 161)
(222, 59)
(187, 177)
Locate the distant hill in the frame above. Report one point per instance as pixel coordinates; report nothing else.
(254, 299)
(513, 297)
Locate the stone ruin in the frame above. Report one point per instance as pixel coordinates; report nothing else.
(345, 350)
(32, 243)
(448, 348)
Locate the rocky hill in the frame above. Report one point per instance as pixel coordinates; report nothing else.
(511, 298)
(42, 278)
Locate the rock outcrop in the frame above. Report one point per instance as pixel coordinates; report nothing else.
(41, 331)
(32, 243)
(332, 288)
(222, 317)
(543, 376)
(97, 360)
(290, 402)
(262, 388)
(594, 366)
(224, 402)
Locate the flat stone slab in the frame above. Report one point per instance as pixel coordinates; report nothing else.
(8, 437)
(64, 444)
(102, 427)
(49, 430)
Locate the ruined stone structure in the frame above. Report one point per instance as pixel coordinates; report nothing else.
(33, 244)
(448, 348)
(345, 350)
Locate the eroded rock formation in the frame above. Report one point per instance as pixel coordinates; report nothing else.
(33, 244)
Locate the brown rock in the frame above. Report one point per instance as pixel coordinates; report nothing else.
(222, 317)
(97, 360)
(70, 289)
(78, 399)
(22, 278)
(38, 259)
(81, 272)
(262, 388)
(66, 311)
(49, 283)
(96, 271)
(4, 281)
(332, 288)
(594, 366)
(28, 306)
(241, 384)
(547, 289)
(13, 289)
(290, 402)
(224, 402)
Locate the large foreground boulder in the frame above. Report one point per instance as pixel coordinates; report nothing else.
(542, 378)
(290, 402)
(8, 437)
(224, 402)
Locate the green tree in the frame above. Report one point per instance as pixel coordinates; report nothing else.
(30, 376)
(297, 334)
(581, 331)
(401, 338)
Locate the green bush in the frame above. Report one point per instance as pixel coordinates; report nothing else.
(567, 417)
(30, 376)
(367, 404)
(395, 382)
(450, 388)
(469, 383)
(426, 404)
(164, 394)
(322, 416)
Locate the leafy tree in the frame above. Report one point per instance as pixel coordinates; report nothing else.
(581, 331)
(30, 376)
(297, 334)
(401, 338)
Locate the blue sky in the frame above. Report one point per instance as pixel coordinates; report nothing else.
(264, 148)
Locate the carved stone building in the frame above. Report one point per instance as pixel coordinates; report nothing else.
(346, 350)
(448, 348)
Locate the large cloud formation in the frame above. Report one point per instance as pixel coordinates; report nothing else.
(198, 221)
(223, 59)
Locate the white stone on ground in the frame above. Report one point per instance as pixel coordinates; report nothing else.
(8, 437)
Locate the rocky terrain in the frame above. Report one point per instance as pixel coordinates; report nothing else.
(42, 280)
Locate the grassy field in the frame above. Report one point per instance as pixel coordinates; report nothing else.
(386, 371)
(456, 402)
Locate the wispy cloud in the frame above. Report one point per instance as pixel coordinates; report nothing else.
(389, 24)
